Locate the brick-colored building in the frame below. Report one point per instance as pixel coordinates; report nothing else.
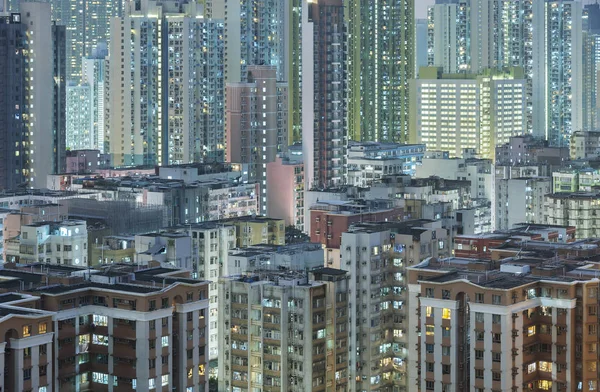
(116, 329)
(332, 218)
(517, 324)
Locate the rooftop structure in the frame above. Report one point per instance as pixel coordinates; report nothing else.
(539, 301)
(83, 328)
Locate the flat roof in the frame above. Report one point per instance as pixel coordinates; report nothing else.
(160, 273)
(329, 271)
(128, 288)
(11, 297)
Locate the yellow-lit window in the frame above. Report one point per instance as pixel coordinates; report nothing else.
(42, 328)
(26, 330)
(545, 366)
(592, 366)
(545, 385)
(531, 330)
(446, 314)
(201, 370)
(190, 373)
(429, 330)
(429, 311)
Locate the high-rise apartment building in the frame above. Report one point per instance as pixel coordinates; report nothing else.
(421, 40)
(448, 37)
(324, 109)
(254, 35)
(85, 104)
(88, 25)
(557, 66)
(32, 129)
(211, 116)
(14, 139)
(79, 117)
(591, 67)
(164, 84)
(284, 331)
(93, 73)
(256, 118)
(452, 112)
(471, 36)
(59, 102)
(376, 257)
(47, 92)
(293, 61)
(380, 62)
(499, 34)
(528, 324)
(211, 242)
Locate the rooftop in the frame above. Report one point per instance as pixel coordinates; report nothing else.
(19, 311)
(11, 297)
(169, 234)
(128, 288)
(575, 195)
(329, 271)
(250, 218)
(519, 271)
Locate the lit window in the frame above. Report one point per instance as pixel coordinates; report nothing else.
(101, 340)
(26, 330)
(84, 339)
(429, 330)
(201, 370)
(446, 314)
(545, 385)
(151, 383)
(100, 378)
(531, 330)
(165, 341)
(545, 366)
(531, 367)
(429, 311)
(165, 380)
(42, 328)
(100, 321)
